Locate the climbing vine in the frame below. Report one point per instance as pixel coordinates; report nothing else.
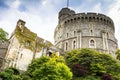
(30, 40)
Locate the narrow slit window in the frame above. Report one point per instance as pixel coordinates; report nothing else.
(91, 32)
(66, 46)
(67, 35)
(74, 33)
(107, 35)
(74, 44)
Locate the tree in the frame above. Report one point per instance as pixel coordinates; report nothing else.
(10, 74)
(118, 54)
(94, 62)
(3, 35)
(46, 68)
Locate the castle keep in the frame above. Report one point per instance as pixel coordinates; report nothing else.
(85, 30)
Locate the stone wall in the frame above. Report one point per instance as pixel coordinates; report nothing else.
(3, 50)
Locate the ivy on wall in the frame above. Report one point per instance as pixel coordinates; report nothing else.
(30, 40)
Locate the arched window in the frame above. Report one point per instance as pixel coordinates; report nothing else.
(74, 44)
(92, 44)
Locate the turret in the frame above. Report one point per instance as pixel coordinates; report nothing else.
(20, 23)
(65, 12)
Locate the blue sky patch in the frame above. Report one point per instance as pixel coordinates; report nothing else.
(3, 5)
(22, 8)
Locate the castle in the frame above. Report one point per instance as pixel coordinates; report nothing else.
(85, 30)
(74, 31)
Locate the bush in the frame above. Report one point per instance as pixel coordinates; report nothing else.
(87, 78)
(46, 68)
(94, 62)
(10, 74)
(118, 54)
(78, 70)
(106, 77)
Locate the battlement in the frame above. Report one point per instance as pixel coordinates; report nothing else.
(67, 16)
(90, 17)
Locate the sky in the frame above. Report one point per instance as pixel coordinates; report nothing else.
(41, 16)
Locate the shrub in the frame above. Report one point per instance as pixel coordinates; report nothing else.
(87, 78)
(94, 62)
(10, 74)
(49, 68)
(78, 70)
(106, 77)
(118, 54)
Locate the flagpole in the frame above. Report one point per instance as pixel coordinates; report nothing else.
(67, 3)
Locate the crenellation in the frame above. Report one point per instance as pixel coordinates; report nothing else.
(93, 16)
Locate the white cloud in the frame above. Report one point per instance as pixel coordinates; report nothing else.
(44, 2)
(15, 4)
(97, 8)
(114, 13)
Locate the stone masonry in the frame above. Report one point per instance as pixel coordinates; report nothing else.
(3, 50)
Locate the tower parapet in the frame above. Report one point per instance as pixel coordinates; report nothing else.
(90, 17)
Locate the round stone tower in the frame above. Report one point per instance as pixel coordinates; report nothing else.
(85, 30)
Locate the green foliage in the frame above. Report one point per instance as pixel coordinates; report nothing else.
(24, 36)
(71, 57)
(118, 54)
(10, 74)
(3, 35)
(87, 78)
(46, 68)
(25, 77)
(94, 62)
(37, 63)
